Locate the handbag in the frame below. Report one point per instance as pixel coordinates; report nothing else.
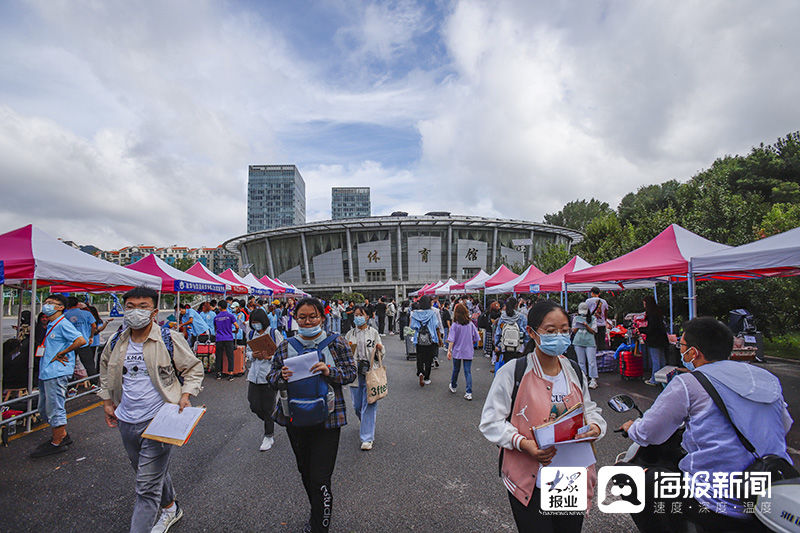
(777, 466)
(377, 386)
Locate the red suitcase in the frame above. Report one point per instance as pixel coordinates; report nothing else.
(630, 365)
(238, 362)
(205, 352)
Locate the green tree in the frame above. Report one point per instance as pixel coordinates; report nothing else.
(578, 213)
(183, 263)
(552, 258)
(780, 218)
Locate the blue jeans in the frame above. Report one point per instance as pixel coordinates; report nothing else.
(366, 412)
(52, 396)
(150, 461)
(336, 324)
(467, 373)
(656, 360)
(587, 354)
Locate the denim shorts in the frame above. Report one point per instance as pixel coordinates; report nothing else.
(52, 396)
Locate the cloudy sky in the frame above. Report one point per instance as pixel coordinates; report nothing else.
(134, 122)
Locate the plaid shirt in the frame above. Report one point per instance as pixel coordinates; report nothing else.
(343, 372)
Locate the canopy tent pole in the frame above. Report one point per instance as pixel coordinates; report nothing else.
(671, 319)
(31, 353)
(691, 282)
(655, 294)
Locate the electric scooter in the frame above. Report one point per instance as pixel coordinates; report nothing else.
(784, 500)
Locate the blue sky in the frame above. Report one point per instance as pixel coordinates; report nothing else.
(127, 123)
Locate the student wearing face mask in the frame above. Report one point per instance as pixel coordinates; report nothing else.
(260, 394)
(548, 384)
(315, 441)
(754, 400)
(365, 341)
(141, 369)
(57, 353)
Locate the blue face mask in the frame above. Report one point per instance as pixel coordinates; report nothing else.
(688, 364)
(310, 332)
(49, 309)
(257, 326)
(360, 321)
(554, 344)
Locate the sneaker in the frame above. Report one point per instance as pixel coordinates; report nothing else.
(231, 378)
(366, 445)
(468, 396)
(219, 376)
(267, 443)
(166, 519)
(650, 382)
(427, 382)
(421, 380)
(593, 383)
(48, 448)
(435, 362)
(67, 440)
(452, 389)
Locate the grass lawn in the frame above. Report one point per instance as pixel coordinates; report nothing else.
(787, 346)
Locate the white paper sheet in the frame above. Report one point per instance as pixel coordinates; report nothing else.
(300, 365)
(573, 454)
(171, 424)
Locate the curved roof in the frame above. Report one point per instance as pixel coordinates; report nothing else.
(404, 221)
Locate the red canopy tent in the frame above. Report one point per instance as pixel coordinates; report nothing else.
(233, 277)
(200, 270)
(471, 283)
(432, 289)
(276, 288)
(530, 273)
(174, 280)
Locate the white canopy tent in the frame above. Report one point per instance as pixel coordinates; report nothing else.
(444, 289)
(774, 256)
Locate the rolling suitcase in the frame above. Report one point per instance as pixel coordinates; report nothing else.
(238, 363)
(205, 352)
(630, 365)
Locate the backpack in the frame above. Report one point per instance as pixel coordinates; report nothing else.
(510, 336)
(520, 364)
(483, 321)
(424, 337)
(311, 400)
(166, 336)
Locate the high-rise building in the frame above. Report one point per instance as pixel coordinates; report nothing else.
(350, 202)
(276, 197)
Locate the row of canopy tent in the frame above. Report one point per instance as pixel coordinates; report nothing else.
(674, 255)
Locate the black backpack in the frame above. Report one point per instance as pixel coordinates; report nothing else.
(424, 337)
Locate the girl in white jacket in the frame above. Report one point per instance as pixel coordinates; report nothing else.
(365, 341)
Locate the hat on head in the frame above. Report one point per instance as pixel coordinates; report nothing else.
(583, 308)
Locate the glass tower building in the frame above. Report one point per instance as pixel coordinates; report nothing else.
(350, 202)
(276, 197)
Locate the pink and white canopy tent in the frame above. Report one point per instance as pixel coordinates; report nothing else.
(232, 276)
(430, 291)
(530, 274)
(472, 284)
(200, 270)
(500, 276)
(665, 258)
(554, 282)
(444, 289)
(423, 288)
(174, 280)
(29, 253)
(268, 282)
(253, 281)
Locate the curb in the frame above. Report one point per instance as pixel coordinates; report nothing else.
(772, 359)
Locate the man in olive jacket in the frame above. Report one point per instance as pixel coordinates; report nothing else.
(137, 377)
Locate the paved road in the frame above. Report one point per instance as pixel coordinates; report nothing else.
(430, 470)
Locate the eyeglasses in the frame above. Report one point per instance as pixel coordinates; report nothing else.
(307, 318)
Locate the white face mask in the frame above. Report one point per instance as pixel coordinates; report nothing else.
(138, 318)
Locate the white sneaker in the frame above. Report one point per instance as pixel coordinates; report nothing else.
(593, 383)
(427, 382)
(366, 445)
(468, 396)
(167, 518)
(452, 389)
(266, 444)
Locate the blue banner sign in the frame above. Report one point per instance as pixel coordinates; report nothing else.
(190, 286)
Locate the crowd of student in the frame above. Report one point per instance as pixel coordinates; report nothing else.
(144, 366)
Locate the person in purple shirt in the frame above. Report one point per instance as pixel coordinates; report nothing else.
(754, 400)
(225, 325)
(461, 346)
